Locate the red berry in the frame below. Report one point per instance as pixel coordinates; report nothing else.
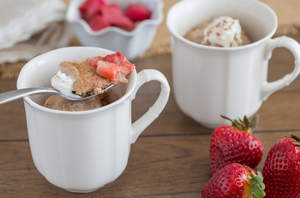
(98, 23)
(137, 12)
(117, 58)
(113, 66)
(234, 181)
(89, 4)
(114, 15)
(282, 169)
(126, 67)
(93, 61)
(90, 8)
(234, 144)
(107, 70)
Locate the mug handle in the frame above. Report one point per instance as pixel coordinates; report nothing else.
(143, 122)
(269, 88)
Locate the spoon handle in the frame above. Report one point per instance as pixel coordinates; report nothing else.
(20, 93)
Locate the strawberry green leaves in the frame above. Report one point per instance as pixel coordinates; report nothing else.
(256, 184)
(297, 143)
(243, 124)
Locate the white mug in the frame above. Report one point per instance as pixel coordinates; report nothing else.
(210, 81)
(82, 151)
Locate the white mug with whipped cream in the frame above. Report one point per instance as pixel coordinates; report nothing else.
(219, 75)
(84, 150)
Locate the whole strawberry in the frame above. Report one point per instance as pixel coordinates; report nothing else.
(282, 169)
(235, 144)
(235, 181)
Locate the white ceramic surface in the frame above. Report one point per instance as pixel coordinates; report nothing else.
(82, 151)
(131, 44)
(210, 81)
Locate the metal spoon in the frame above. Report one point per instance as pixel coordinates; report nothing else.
(20, 93)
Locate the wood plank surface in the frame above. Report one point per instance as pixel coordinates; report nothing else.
(280, 106)
(170, 160)
(159, 167)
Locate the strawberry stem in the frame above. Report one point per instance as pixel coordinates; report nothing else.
(256, 184)
(243, 124)
(297, 143)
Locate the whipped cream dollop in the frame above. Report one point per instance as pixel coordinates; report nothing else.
(223, 31)
(63, 82)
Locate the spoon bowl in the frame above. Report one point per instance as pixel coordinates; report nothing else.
(20, 93)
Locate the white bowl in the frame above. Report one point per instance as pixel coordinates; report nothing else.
(131, 44)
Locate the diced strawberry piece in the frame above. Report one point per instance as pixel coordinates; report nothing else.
(107, 70)
(118, 58)
(93, 61)
(98, 23)
(113, 66)
(86, 5)
(90, 14)
(121, 78)
(90, 8)
(126, 68)
(114, 15)
(137, 12)
(89, 4)
(124, 23)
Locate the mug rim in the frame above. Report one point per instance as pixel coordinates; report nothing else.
(200, 46)
(35, 105)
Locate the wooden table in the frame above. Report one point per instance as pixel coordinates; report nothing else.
(170, 159)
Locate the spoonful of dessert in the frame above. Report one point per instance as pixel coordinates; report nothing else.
(81, 81)
(20, 93)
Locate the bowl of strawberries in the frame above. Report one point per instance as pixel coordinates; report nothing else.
(127, 26)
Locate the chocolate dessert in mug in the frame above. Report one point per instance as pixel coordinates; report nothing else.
(77, 149)
(223, 31)
(87, 78)
(221, 51)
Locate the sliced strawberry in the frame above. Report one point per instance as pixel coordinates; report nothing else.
(118, 58)
(114, 15)
(89, 15)
(120, 78)
(98, 23)
(126, 68)
(113, 66)
(94, 61)
(90, 4)
(107, 70)
(138, 12)
(91, 8)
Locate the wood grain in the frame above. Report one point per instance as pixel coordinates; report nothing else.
(170, 166)
(280, 106)
(170, 160)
